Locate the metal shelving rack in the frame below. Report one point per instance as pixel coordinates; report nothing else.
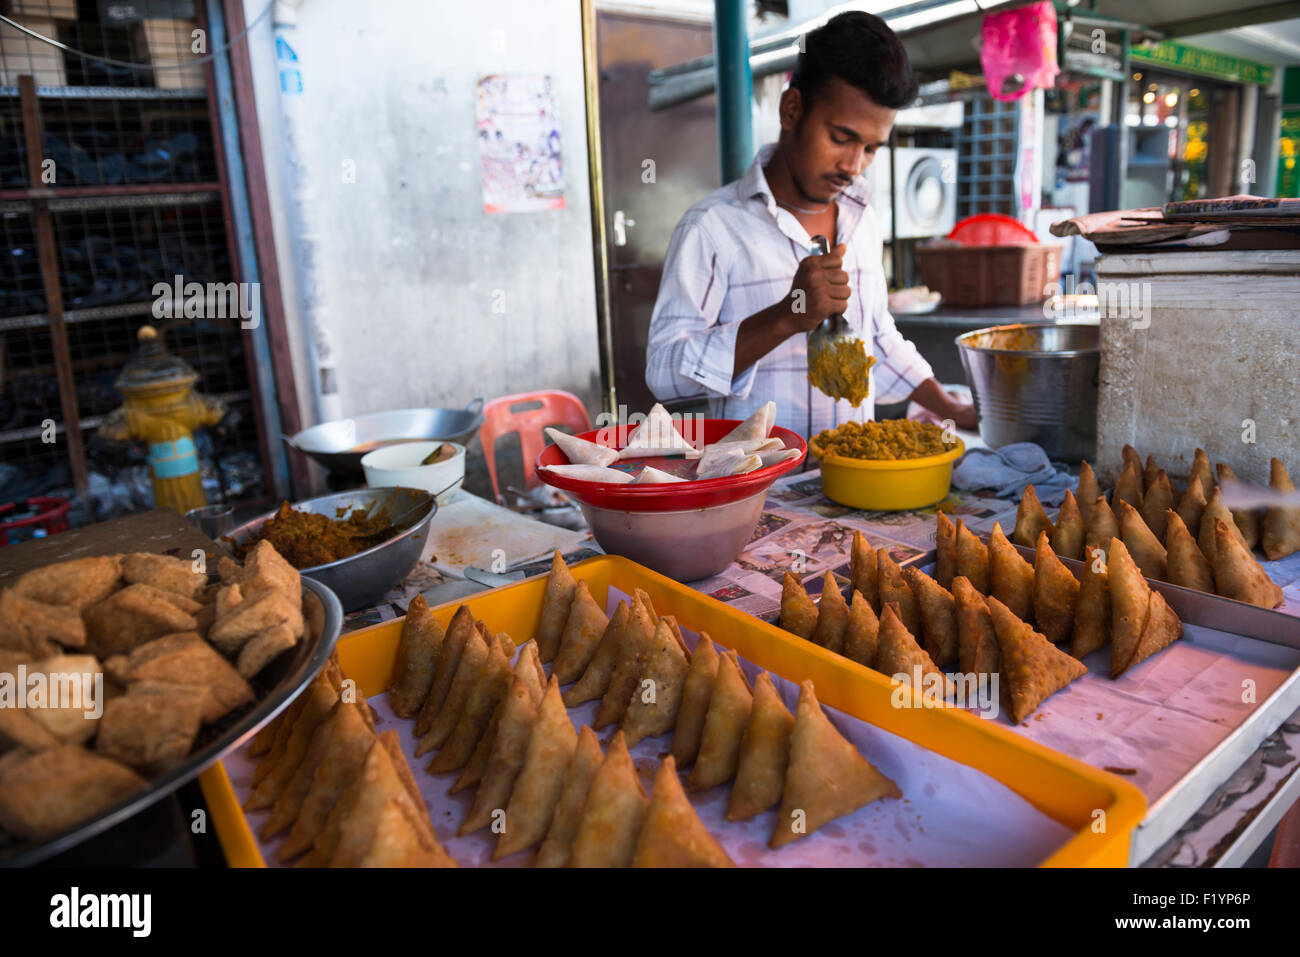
(987, 144)
(79, 321)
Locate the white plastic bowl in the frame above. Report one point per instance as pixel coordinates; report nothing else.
(399, 466)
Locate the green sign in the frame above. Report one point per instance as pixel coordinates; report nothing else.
(1288, 156)
(1222, 66)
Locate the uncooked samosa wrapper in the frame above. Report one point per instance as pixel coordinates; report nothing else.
(757, 426)
(657, 435)
(590, 473)
(581, 451)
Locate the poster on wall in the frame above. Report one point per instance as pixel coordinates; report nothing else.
(519, 143)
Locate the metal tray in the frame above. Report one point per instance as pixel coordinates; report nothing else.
(276, 686)
(1171, 810)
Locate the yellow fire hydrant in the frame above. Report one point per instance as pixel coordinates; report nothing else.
(163, 409)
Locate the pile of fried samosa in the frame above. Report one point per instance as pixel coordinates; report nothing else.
(986, 611)
(1192, 540)
(343, 792)
(174, 654)
(542, 784)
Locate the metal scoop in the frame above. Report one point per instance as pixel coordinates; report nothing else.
(832, 329)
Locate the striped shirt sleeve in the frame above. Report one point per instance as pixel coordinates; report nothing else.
(690, 353)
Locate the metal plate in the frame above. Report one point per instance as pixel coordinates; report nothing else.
(1171, 810)
(335, 444)
(276, 686)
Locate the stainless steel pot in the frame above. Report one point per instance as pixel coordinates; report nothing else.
(340, 444)
(1036, 383)
(363, 579)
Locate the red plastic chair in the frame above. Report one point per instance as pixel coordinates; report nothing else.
(528, 413)
(991, 229)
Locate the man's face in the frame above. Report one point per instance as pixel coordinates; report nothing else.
(834, 138)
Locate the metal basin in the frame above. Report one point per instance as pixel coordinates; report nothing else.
(275, 687)
(340, 444)
(1036, 383)
(361, 580)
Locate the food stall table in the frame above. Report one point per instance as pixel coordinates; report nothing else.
(801, 530)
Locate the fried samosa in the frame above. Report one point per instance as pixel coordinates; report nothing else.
(1011, 578)
(537, 789)
(614, 813)
(977, 642)
(1067, 537)
(863, 632)
(1056, 594)
(938, 616)
(1142, 543)
(696, 694)
(1187, 565)
(724, 727)
(1030, 519)
(1280, 534)
(587, 758)
(673, 834)
(657, 697)
(832, 616)
(764, 754)
(1033, 669)
(583, 630)
(798, 613)
(1092, 614)
(1237, 573)
(893, 587)
(560, 586)
(417, 659)
(826, 779)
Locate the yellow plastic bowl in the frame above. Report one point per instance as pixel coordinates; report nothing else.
(887, 485)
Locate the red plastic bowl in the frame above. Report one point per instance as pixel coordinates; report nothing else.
(670, 496)
(686, 530)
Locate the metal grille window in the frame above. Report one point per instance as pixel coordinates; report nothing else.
(128, 182)
(986, 158)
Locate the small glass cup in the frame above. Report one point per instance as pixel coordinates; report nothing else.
(212, 520)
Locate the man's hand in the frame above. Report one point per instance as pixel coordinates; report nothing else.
(931, 395)
(820, 289)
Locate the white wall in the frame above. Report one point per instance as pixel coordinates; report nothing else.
(399, 269)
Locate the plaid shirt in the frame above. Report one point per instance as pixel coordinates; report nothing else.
(735, 253)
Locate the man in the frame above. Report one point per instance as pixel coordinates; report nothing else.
(739, 288)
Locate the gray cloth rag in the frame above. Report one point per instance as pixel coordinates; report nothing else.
(1006, 471)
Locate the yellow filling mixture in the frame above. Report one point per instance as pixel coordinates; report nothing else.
(842, 372)
(890, 439)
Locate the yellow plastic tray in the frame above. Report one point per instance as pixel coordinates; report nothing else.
(1063, 788)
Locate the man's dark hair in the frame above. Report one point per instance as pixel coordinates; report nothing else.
(861, 50)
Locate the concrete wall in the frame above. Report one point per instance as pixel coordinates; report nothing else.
(1215, 368)
(393, 277)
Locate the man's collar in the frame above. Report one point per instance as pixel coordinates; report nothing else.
(754, 183)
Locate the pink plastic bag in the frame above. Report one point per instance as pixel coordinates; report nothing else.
(1019, 50)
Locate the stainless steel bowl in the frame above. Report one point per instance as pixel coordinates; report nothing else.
(364, 578)
(1036, 382)
(276, 686)
(340, 444)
